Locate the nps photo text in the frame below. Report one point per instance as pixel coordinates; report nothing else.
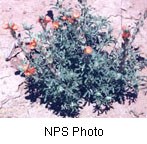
(73, 131)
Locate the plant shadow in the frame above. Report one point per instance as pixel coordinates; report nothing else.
(129, 97)
(34, 92)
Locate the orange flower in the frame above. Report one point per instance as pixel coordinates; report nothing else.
(6, 26)
(32, 44)
(88, 50)
(76, 14)
(64, 18)
(29, 71)
(47, 19)
(56, 24)
(14, 27)
(10, 26)
(71, 20)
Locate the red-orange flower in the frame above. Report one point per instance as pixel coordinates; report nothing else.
(88, 50)
(14, 27)
(64, 18)
(55, 24)
(10, 26)
(126, 33)
(71, 20)
(29, 71)
(76, 14)
(47, 19)
(32, 44)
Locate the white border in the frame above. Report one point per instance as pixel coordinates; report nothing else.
(32, 131)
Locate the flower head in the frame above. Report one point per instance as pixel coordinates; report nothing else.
(126, 33)
(32, 44)
(47, 19)
(55, 24)
(76, 14)
(88, 50)
(64, 18)
(70, 20)
(14, 27)
(29, 71)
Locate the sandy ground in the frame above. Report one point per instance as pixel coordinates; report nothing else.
(13, 102)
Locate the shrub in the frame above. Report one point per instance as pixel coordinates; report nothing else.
(67, 63)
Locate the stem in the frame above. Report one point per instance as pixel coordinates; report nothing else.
(127, 43)
(125, 54)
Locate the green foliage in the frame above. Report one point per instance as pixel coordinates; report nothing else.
(66, 75)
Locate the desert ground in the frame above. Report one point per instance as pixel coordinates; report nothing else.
(13, 103)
